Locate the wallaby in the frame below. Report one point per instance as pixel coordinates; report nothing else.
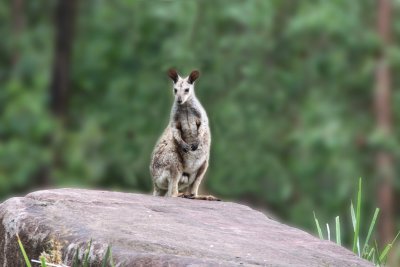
(180, 157)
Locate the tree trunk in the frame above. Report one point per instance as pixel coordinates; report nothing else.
(18, 22)
(384, 159)
(64, 17)
(64, 25)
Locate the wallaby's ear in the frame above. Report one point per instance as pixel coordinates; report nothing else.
(193, 76)
(173, 75)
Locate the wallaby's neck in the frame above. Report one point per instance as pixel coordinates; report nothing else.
(191, 101)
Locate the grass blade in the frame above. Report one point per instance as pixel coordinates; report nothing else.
(43, 262)
(356, 239)
(376, 260)
(338, 239)
(371, 228)
(353, 216)
(106, 257)
(383, 256)
(86, 258)
(76, 259)
(21, 247)
(318, 227)
(328, 231)
(371, 252)
(111, 259)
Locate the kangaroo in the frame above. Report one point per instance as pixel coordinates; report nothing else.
(180, 157)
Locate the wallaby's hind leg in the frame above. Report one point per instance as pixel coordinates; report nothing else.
(173, 181)
(195, 186)
(187, 190)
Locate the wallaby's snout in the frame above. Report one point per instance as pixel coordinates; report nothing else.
(182, 99)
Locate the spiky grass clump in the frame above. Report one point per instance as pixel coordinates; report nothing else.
(369, 251)
(107, 260)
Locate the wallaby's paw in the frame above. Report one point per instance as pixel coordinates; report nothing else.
(205, 197)
(185, 147)
(194, 146)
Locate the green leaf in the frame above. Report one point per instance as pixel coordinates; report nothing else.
(383, 256)
(86, 258)
(111, 259)
(356, 239)
(370, 254)
(43, 261)
(371, 227)
(76, 259)
(106, 257)
(385, 251)
(338, 238)
(328, 231)
(21, 247)
(376, 260)
(318, 227)
(353, 216)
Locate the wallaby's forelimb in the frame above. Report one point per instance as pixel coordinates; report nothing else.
(176, 132)
(202, 129)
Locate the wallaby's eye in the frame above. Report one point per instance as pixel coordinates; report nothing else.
(187, 90)
(175, 91)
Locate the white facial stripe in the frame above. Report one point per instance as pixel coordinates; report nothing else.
(181, 86)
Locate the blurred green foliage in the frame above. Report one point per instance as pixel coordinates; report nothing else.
(288, 87)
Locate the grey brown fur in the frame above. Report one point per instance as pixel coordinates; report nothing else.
(180, 157)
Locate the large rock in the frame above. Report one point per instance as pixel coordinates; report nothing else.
(154, 231)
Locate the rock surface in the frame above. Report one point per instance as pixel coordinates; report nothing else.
(155, 231)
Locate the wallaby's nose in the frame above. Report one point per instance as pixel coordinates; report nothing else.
(179, 101)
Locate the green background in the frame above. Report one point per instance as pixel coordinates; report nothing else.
(287, 85)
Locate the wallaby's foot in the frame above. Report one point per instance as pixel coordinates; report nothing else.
(202, 197)
(185, 195)
(209, 198)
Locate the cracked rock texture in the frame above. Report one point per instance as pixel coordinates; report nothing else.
(154, 231)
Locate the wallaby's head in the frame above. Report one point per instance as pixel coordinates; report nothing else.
(183, 88)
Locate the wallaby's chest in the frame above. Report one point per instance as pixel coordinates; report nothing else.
(188, 120)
